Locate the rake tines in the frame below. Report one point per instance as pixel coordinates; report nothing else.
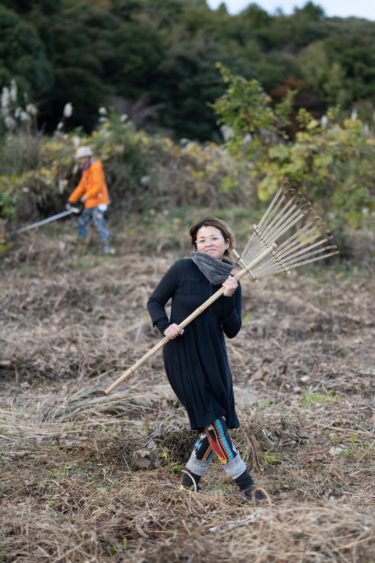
(299, 235)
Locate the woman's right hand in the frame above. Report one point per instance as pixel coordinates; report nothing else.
(173, 331)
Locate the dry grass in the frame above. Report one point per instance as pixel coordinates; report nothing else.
(88, 477)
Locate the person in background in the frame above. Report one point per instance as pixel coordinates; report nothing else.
(92, 191)
(195, 358)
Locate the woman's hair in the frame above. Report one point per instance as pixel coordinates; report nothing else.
(218, 224)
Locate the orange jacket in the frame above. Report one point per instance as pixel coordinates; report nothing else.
(92, 187)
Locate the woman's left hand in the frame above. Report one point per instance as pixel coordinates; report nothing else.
(230, 285)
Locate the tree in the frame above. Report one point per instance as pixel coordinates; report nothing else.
(27, 6)
(165, 51)
(189, 82)
(340, 67)
(22, 55)
(79, 42)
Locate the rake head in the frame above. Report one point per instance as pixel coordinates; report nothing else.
(296, 233)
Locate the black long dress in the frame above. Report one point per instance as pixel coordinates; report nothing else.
(196, 363)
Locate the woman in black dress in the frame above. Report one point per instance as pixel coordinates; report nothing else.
(195, 359)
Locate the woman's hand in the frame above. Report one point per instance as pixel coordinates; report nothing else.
(230, 285)
(173, 331)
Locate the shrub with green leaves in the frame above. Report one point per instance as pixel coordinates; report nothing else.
(143, 171)
(332, 161)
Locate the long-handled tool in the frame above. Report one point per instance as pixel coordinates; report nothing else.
(288, 236)
(188, 320)
(71, 210)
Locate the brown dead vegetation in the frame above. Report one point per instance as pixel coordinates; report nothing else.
(88, 477)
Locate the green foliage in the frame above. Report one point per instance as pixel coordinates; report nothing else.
(6, 206)
(332, 162)
(163, 52)
(187, 77)
(22, 54)
(247, 110)
(152, 172)
(334, 165)
(245, 107)
(36, 170)
(312, 397)
(144, 172)
(271, 458)
(176, 468)
(351, 450)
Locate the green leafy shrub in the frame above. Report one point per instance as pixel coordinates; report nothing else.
(144, 172)
(332, 162)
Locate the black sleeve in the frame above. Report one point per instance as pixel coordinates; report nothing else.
(165, 289)
(231, 320)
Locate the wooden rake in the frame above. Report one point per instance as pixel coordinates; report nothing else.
(288, 236)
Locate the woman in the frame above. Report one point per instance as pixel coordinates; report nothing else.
(195, 359)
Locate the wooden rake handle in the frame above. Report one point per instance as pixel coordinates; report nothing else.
(187, 321)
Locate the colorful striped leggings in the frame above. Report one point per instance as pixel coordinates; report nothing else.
(215, 440)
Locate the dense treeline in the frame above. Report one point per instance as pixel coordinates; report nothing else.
(156, 59)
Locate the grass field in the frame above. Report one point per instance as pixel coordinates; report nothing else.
(93, 478)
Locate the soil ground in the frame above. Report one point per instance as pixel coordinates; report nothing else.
(90, 477)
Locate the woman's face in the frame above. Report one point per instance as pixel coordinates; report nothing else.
(210, 240)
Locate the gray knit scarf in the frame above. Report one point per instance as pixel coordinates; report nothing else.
(216, 271)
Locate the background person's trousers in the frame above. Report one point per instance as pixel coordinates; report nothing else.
(97, 217)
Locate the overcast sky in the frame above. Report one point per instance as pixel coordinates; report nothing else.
(340, 8)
